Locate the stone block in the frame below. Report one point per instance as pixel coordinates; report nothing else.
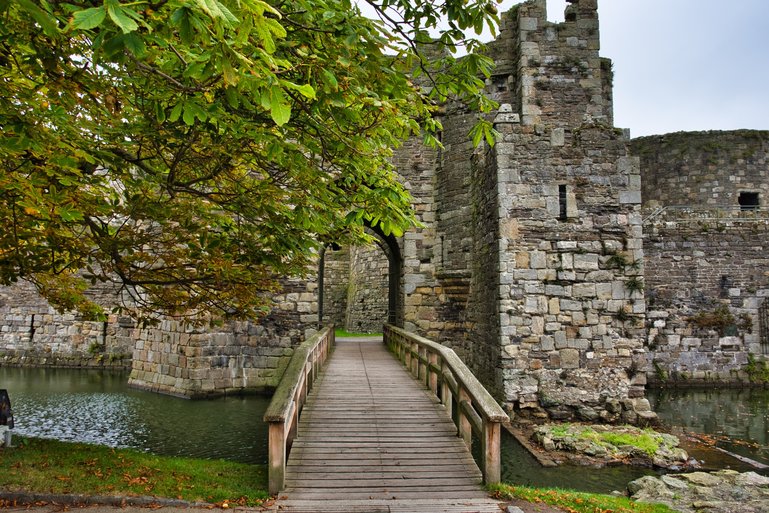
(547, 343)
(569, 358)
(630, 197)
(538, 260)
(586, 262)
(560, 339)
(584, 290)
(558, 137)
(528, 23)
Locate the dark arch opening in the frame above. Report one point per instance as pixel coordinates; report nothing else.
(389, 245)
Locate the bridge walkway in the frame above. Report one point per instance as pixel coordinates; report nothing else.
(371, 438)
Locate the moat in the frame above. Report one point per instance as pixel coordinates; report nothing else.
(98, 407)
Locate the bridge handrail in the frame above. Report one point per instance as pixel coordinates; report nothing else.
(282, 415)
(438, 366)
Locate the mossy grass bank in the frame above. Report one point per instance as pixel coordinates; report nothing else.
(576, 502)
(342, 333)
(50, 466)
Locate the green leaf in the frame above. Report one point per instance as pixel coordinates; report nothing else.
(89, 18)
(191, 111)
(230, 75)
(135, 44)
(280, 109)
(305, 90)
(118, 15)
(330, 80)
(69, 214)
(217, 10)
(477, 133)
(160, 113)
(176, 112)
(182, 18)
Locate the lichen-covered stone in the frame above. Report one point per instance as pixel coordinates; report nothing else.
(725, 491)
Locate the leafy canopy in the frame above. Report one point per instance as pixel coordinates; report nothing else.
(192, 151)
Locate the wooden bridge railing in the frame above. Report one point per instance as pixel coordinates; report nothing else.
(440, 369)
(282, 415)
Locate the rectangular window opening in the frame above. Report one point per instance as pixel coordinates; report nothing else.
(749, 201)
(562, 203)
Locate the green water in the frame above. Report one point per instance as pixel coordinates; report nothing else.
(98, 407)
(737, 418)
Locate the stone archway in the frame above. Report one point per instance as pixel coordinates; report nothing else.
(351, 266)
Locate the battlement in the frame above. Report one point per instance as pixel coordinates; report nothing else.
(552, 73)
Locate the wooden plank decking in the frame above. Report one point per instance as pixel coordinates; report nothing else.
(372, 439)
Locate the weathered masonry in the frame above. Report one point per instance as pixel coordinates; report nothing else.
(537, 261)
(531, 259)
(707, 254)
(172, 357)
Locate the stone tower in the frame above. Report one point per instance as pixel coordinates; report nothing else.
(531, 262)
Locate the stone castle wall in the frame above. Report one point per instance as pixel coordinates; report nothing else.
(172, 357)
(336, 280)
(525, 270)
(706, 255)
(34, 334)
(706, 284)
(570, 231)
(356, 289)
(368, 294)
(704, 169)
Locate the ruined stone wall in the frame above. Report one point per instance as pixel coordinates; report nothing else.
(572, 313)
(706, 255)
(483, 351)
(34, 334)
(368, 290)
(172, 357)
(536, 264)
(704, 169)
(416, 165)
(706, 282)
(356, 289)
(336, 279)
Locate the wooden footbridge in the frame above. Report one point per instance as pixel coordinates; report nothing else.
(360, 433)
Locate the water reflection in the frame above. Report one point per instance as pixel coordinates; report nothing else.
(738, 417)
(98, 407)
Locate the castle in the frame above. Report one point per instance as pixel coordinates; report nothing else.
(567, 265)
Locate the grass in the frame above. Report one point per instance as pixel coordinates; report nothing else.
(342, 333)
(50, 466)
(577, 502)
(645, 440)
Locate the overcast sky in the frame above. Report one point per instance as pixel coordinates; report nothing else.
(685, 64)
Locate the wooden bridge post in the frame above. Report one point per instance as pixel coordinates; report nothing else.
(465, 428)
(447, 397)
(492, 448)
(423, 365)
(432, 373)
(406, 359)
(277, 456)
